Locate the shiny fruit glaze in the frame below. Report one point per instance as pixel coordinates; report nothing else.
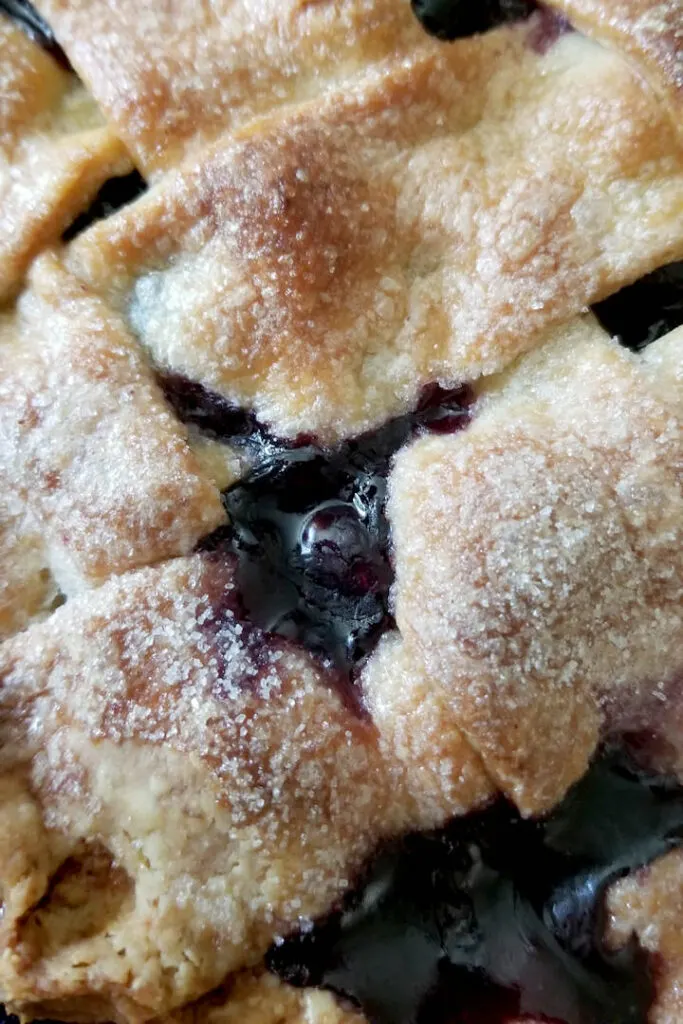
(495, 917)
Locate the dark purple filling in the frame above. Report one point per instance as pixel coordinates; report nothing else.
(115, 193)
(25, 14)
(546, 28)
(457, 19)
(646, 310)
(495, 916)
(308, 524)
(213, 414)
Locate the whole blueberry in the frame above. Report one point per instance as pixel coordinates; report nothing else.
(333, 541)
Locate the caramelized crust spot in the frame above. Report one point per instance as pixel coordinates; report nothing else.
(428, 224)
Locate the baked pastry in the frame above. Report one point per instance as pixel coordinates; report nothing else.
(341, 511)
(55, 152)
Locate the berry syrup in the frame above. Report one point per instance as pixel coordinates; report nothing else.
(308, 525)
(498, 918)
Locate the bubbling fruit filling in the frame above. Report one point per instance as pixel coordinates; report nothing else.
(308, 524)
(497, 918)
(457, 19)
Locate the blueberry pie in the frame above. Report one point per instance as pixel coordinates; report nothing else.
(341, 511)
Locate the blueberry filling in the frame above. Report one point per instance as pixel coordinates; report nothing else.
(311, 538)
(456, 19)
(546, 29)
(308, 525)
(115, 193)
(495, 916)
(646, 310)
(25, 14)
(211, 412)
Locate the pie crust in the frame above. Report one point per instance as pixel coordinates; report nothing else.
(341, 213)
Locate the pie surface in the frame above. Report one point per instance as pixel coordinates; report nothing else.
(333, 511)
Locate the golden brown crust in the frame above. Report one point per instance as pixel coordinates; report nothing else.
(55, 153)
(430, 759)
(88, 441)
(538, 559)
(649, 904)
(429, 224)
(27, 587)
(172, 78)
(344, 211)
(172, 81)
(649, 32)
(259, 998)
(213, 775)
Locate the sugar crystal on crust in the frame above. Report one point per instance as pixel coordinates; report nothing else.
(427, 224)
(55, 152)
(538, 559)
(88, 441)
(154, 738)
(174, 77)
(343, 211)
